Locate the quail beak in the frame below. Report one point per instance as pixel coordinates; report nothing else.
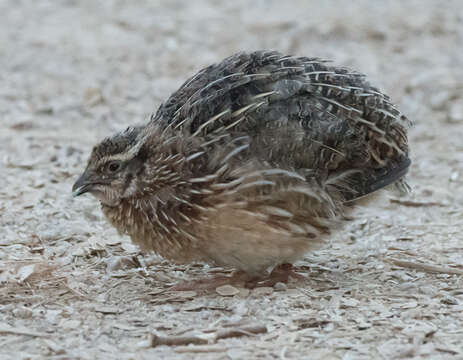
(82, 185)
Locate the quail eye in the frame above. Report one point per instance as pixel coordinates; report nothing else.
(114, 166)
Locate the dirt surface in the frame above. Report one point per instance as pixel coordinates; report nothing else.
(388, 286)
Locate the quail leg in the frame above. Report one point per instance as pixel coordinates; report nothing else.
(281, 273)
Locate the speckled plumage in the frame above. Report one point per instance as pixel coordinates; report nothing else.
(251, 162)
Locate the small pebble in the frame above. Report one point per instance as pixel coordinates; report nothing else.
(186, 294)
(227, 290)
(454, 176)
(78, 251)
(23, 313)
(440, 100)
(456, 113)
(262, 291)
(279, 286)
(129, 248)
(70, 324)
(119, 263)
(449, 300)
(244, 293)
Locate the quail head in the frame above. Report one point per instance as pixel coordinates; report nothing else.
(250, 163)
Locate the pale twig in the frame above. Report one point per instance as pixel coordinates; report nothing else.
(250, 330)
(426, 267)
(412, 203)
(7, 329)
(243, 331)
(200, 349)
(157, 340)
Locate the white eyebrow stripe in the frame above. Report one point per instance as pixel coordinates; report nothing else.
(124, 156)
(116, 157)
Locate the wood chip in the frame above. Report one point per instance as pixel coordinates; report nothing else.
(186, 294)
(242, 331)
(204, 307)
(227, 290)
(244, 293)
(449, 300)
(129, 248)
(250, 330)
(53, 346)
(124, 327)
(107, 309)
(25, 271)
(262, 291)
(200, 349)
(411, 203)
(157, 340)
(426, 267)
(7, 329)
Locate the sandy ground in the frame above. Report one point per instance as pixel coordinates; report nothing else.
(388, 286)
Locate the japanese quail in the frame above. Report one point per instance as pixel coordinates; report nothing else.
(250, 163)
